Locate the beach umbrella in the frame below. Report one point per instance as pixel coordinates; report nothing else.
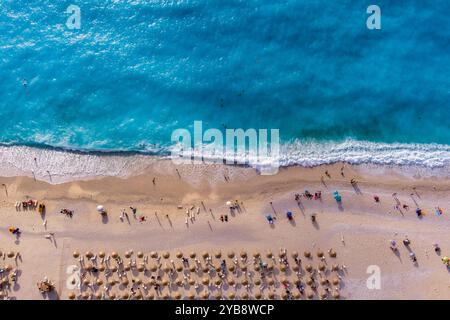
(270, 267)
(112, 296)
(100, 208)
(89, 267)
(231, 281)
(114, 269)
(257, 268)
(309, 268)
(258, 295)
(284, 280)
(269, 254)
(218, 268)
(179, 254)
(271, 295)
(98, 295)
(179, 282)
(166, 255)
(205, 269)
(177, 295)
(111, 282)
(71, 295)
(89, 254)
(154, 254)
(101, 268)
(244, 282)
(192, 255)
(165, 296)
(284, 296)
(283, 268)
(231, 267)
(297, 295)
(307, 254)
(140, 254)
(205, 254)
(270, 282)
(322, 267)
(166, 268)
(99, 282)
(334, 267)
(243, 254)
(205, 281)
(127, 267)
(297, 282)
(294, 254)
(257, 282)
(127, 254)
(141, 268)
(165, 282)
(137, 281)
(231, 295)
(323, 294)
(125, 296)
(191, 296)
(179, 268)
(150, 296)
(244, 296)
(244, 268)
(75, 254)
(85, 295)
(205, 295)
(114, 255)
(138, 296)
(324, 281)
(230, 254)
(153, 267)
(191, 282)
(335, 281)
(217, 296)
(125, 282)
(336, 295)
(101, 254)
(217, 282)
(320, 254)
(332, 253)
(218, 254)
(296, 268)
(310, 295)
(281, 254)
(8, 267)
(192, 268)
(309, 282)
(256, 254)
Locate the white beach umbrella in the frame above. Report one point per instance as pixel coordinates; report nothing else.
(100, 208)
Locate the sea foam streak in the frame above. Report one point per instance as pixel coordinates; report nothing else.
(62, 165)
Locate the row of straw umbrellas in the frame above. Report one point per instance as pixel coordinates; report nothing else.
(205, 280)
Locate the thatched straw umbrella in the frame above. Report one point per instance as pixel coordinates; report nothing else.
(111, 282)
(205, 269)
(244, 282)
(243, 254)
(127, 254)
(320, 254)
(258, 295)
(270, 266)
(269, 254)
(8, 267)
(322, 267)
(71, 295)
(205, 254)
(125, 296)
(179, 282)
(101, 268)
(154, 254)
(324, 281)
(332, 253)
(112, 296)
(115, 255)
(231, 295)
(281, 254)
(165, 296)
(309, 268)
(75, 254)
(86, 282)
(192, 255)
(309, 282)
(101, 254)
(218, 254)
(99, 282)
(166, 255)
(257, 268)
(191, 296)
(284, 280)
(307, 254)
(179, 254)
(218, 282)
(165, 282)
(230, 254)
(166, 268)
(141, 268)
(218, 268)
(179, 268)
(257, 282)
(153, 267)
(205, 295)
(140, 254)
(150, 296)
(334, 267)
(125, 282)
(283, 268)
(310, 295)
(284, 296)
(323, 295)
(271, 295)
(270, 282)
(192, 268)
(151, 282)
(244, 268)
(85, 296)
(114, 269)
(336, 295)
(177, 296)
(191, 282)
(89, 254)
(137, 281)
(205, 281)
(297, 282)
(127, 267)
(294, 254)
(244, 296)
(295, 268)
(138, 296)
(98, 295)
(231, 281)
(217, 296)
(335, 281)
(231, 267)
(297, 295)
(256, 254)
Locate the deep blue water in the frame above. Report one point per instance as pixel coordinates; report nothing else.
(136, 71)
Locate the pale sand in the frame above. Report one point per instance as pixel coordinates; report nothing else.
(366, 226)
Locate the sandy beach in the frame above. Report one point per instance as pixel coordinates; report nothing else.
(359, 230)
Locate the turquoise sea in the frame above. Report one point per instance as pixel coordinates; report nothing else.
(137, 70)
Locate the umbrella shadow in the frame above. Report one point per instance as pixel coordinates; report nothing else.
(105, 219)
(340, 206)
(292, 222)
(356, 188)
